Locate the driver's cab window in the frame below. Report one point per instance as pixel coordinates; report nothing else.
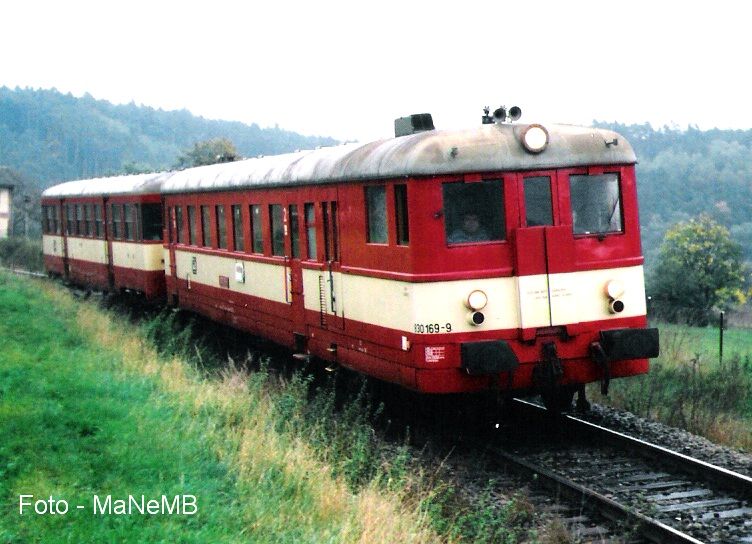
(474, 212)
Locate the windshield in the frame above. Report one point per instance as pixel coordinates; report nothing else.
(596, 204)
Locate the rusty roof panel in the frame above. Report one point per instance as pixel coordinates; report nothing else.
(488, 148)
(482, 149)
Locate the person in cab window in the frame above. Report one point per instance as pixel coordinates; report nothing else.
(470, 230)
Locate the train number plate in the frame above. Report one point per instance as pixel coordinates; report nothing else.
(431, 328)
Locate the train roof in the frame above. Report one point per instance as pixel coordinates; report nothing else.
(487, 148)
(135, 184)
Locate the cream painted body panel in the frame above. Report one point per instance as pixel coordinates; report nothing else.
(137, 256)
(268, 281)
(320, 282)
(534, 308)
(166, 257)
(4, 227)
(87, 249)
(52, 245)
(581, 296)
(513, 302)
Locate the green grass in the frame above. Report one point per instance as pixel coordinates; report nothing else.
(72, 427)
(705, 340)
(90, 407)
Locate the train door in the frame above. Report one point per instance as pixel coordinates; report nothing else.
(295, 287)
(543, 248)
(172, 278)
(331, 301)
(108, 242)
(65, 230)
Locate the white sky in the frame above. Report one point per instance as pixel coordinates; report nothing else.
(347, 69)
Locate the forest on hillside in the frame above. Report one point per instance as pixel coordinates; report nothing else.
(47, 137)
(684, 173)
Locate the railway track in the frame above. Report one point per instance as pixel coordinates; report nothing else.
(647, 492)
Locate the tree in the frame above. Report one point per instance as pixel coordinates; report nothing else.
(700, 269)
(208, 152)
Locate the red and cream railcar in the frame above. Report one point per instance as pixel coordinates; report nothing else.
(506, 256)
(106, 233)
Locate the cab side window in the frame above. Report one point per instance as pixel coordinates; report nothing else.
(474, 212)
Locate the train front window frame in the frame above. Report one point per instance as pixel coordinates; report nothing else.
(474, 212)
(596, 202)
(539, 210)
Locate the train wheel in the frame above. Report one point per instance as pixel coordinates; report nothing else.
(558, 399)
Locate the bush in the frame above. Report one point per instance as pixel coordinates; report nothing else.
(17, 252)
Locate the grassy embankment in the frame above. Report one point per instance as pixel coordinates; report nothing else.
(88, 407)
(689, 387)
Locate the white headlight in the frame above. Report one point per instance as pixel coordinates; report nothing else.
(535, 138)
(477, 300)
(615, 289)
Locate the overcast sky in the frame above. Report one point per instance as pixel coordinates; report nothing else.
(347, 69)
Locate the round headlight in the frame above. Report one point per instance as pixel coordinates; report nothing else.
(535, 138)
(615, 289)
(477, 300)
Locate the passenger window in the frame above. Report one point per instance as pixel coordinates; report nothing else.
(130, 230)
(98, 220)
(192, 225)
(237, 228)
(538, 209)
(278, 229)
(401, 217)
(310, 227)
(257, 229)
(179, 224)
(151, 219)
(596, 204)
(69, 221)
(294, 232)
(117, 212)
(376, 214)
(474, 212)
(89, 219)
(221, 227)
(206, 226)
(80, 229)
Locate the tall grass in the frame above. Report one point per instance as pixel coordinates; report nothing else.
(336, 419)
(692, 389)
(273, 456)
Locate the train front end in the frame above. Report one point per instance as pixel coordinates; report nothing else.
(542, 270)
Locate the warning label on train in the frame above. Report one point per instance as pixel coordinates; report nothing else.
(434, 354)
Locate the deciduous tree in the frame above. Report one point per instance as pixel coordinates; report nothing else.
(700, 270)
(208, 152)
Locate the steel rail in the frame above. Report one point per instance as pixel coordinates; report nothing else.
(738, 484)
(649, 528)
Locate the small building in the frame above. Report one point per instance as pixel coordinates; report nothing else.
(6, 217)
